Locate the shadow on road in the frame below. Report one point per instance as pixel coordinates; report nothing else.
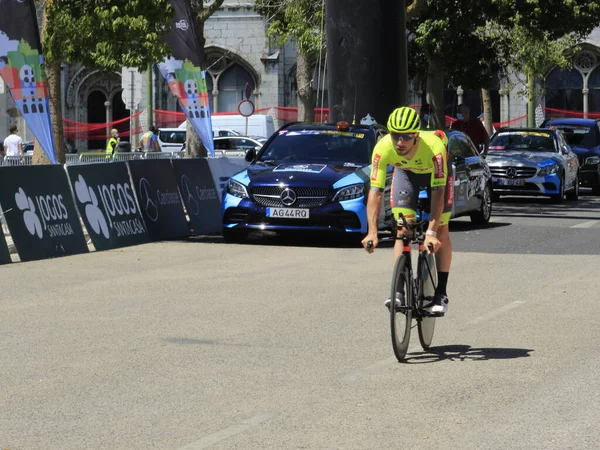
(465, 353)
(304, 239)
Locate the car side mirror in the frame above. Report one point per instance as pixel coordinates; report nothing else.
(458, 159)
(250, 155)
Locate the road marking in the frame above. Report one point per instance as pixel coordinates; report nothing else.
(574, 278)
(495, 313)
(588, 224)
(212, 439)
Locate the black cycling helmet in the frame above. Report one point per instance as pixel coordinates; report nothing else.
(404, 120)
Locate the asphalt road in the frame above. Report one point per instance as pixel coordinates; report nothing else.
(285, 344)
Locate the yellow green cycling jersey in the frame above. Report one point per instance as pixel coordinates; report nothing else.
(430, 159)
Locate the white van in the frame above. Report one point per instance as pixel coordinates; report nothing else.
(171, 139)
(258, 125)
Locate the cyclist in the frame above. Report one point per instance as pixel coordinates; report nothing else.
(420, 160)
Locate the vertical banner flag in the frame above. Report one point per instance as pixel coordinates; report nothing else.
(22, 68)
(183, 74)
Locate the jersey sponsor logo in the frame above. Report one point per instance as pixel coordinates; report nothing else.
(450, 194)
(375, 168)
(438, 163)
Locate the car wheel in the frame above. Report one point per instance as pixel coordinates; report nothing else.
(558, 198)
(574, 193)
(482, 216)
(234, 236)
(596, 190)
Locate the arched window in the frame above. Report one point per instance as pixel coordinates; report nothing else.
(594, 95)
(209, 88)
(564, 90)
(232, 84)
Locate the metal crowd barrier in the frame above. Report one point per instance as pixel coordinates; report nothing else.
(126, 156)
(100, 157)
(93, 158)
(19, 160)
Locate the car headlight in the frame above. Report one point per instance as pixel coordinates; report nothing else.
(547, 170)
(592, 160)
(236, 189)
(350, 192)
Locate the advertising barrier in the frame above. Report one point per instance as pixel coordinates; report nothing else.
(159, 200)
(223, 168)
(4, 253)
(199, 195)
(106, 201)
(40, 213)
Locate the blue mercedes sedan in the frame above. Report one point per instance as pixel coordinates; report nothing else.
(306, 177)
(583, 135)
(533, 161)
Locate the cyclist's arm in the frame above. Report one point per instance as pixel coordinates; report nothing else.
(373, 209)
(439, 178)
(437, 207)
(378, 178)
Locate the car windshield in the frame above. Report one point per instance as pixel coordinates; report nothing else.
(524, 140)
(318, 145)
(578, 136)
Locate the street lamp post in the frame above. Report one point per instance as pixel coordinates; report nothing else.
(107, 105)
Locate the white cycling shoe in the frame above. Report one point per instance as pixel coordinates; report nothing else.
(439, 305)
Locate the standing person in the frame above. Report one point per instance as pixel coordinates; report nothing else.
(149, 140)
(472, 127)
(13, 144)
(113, 143)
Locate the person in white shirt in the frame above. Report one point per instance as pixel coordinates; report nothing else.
(13, 144)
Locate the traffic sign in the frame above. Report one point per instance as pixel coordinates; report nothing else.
(248, 90)
(246, 108)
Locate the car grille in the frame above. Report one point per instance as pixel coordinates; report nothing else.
(306, 197)
(519, 172)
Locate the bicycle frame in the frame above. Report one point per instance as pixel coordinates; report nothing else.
(417, 229)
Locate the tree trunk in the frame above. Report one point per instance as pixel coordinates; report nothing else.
(435, 91)
(306, 93)
(193, 145)
(530, 101)
(487, 111)
(55, 97)
(363, 59)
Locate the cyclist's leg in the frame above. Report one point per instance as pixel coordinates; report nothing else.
(444, 254)
(404, 198)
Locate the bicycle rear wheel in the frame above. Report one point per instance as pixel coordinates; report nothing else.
(428, 280)
(401, 319)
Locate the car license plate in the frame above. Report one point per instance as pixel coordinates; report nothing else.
(288, 213)
(509, 182)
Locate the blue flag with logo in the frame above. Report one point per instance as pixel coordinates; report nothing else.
(183, 74)
(22, 69)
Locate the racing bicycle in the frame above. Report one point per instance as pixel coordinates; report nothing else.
(412, 289)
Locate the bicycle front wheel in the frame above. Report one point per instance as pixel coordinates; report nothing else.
(428, 281)
(401, 317)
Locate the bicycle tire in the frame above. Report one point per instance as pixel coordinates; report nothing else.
(426, 325)
(400, 321)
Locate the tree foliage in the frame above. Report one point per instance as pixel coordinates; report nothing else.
(298, 20)
(109, 34)
(471, 39)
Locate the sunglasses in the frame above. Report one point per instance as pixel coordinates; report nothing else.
(402, 137)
